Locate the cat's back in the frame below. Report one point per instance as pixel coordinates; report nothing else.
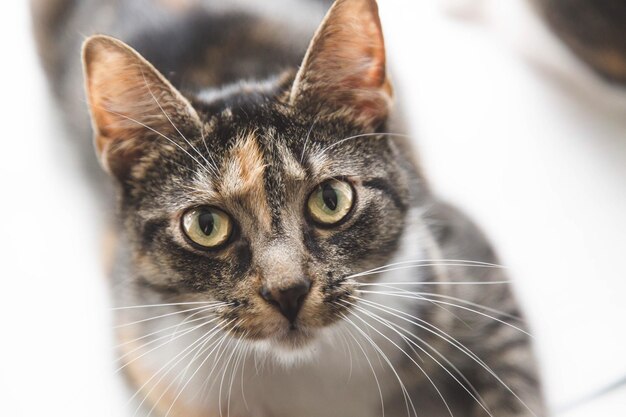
(196, 43)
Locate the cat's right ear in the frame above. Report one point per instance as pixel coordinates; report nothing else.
(131, 104)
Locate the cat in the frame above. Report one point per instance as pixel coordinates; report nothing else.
(593, 30)
(278, 251)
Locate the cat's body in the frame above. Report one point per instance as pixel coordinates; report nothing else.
(273, 136)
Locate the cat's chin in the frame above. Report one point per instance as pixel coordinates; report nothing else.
(292, 348)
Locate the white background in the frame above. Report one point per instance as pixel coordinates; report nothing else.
(510, 127)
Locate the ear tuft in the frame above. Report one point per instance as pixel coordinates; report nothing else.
(129, 101)
(344, 68)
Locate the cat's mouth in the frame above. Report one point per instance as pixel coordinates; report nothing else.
(274, 331)
(293, 346)
(294, 337)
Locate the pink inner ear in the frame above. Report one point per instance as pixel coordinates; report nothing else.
(129, 98)
(345, 63)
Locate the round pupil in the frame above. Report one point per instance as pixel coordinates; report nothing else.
(329, 195)
(206, 223)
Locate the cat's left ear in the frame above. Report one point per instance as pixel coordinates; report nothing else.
(131, 104)
(344, 69)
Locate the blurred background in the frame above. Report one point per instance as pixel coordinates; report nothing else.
(509, 125)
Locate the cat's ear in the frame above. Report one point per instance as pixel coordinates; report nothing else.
(344, 68)
(131, 103)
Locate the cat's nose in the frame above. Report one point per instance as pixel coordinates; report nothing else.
(288, 299)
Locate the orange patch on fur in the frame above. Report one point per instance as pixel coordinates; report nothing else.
(250, 163)
(244, 177)
(157, 393)
(109, 246)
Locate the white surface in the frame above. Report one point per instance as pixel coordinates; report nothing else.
(509, 126)
(514, 130)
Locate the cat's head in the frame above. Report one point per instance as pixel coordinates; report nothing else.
(266, 196)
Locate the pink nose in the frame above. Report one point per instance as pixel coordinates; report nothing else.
(288, 300)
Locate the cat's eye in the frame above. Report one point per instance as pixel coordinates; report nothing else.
(207, 227)
(330, 202)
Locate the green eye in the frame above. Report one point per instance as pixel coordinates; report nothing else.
(207, 226)
(331, 202)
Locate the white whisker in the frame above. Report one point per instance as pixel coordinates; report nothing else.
(220, 354)
(380, 392)
(446, 337)
(196, 356)
(208, 152)
(167, 315)
(463, 262)
(306, 141)
(230, 357)
(407, 397)
(448, 297)
(347, 348)
(167, 305)
(213, 169)
(170, 364)
(158, 347)
(243, 368)
(373, 284)
(394, 326)
(416, 297)
(161, 135)
(119, 345)
(233, 373)
(401, 350)
(363, 135)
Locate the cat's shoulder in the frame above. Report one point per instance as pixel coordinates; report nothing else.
(456, 234)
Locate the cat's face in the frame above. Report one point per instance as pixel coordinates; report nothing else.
(264, 196)
(264, 224)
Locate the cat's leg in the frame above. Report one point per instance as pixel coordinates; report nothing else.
(517, 394)
(494, 350)
(496, 347)
(508, 379)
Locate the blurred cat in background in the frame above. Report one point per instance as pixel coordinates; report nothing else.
(593, 30)
(278, 250)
